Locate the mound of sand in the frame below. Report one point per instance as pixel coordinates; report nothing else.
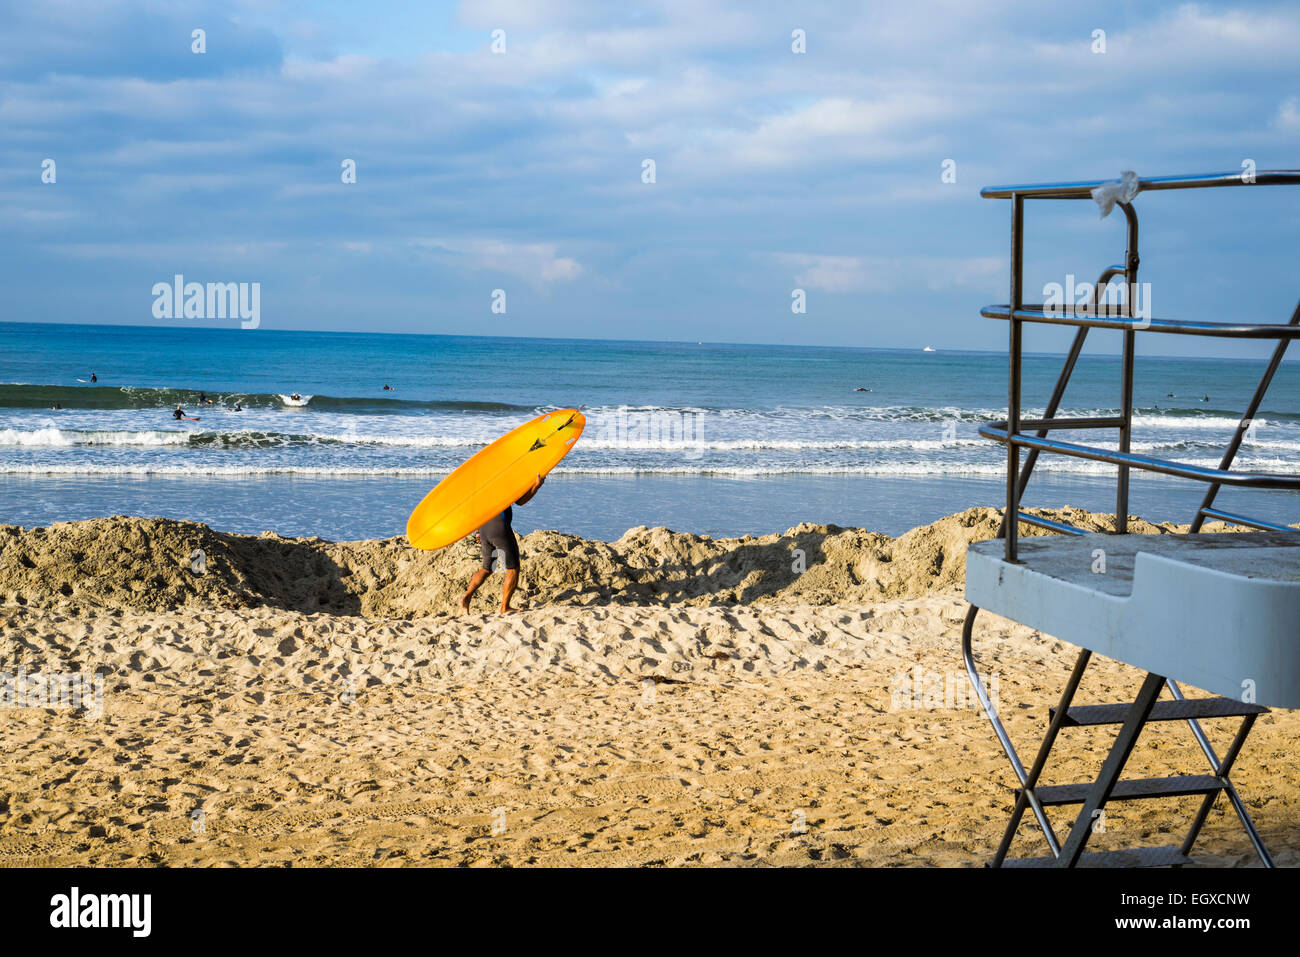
(154, 564)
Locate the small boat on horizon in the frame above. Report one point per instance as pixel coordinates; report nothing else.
(928, 349)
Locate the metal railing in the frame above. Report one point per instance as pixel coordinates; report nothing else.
(1272, 177)
(1031, 434)
(1017, 432)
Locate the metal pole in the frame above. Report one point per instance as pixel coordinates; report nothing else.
(1058, 392)
(1126, 387)
(1099, 793)
(1278, 352)
(1012, 518)
(1125, 433)
(990, 712)
(1221, 769)
(1044, 749)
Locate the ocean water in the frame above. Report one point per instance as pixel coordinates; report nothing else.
(715, 438)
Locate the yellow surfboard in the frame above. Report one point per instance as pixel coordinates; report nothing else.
(493, 478)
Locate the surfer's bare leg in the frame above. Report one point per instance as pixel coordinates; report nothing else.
(508, 589)
(479, 578)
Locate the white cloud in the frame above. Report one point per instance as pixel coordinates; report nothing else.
(832, 273)
(832, 129)
(969, 271)
(837, 274)
(837, 151)
(534, 262)
(194, 250)
(1288, 115)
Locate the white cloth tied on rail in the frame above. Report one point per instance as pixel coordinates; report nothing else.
(1123, 191)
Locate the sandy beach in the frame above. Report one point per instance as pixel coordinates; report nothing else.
(665, 699)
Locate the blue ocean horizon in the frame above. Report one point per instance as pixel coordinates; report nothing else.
(715, 438)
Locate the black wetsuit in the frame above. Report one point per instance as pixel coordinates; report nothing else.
(496, 534)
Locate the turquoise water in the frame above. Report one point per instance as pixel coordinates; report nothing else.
(724, 439)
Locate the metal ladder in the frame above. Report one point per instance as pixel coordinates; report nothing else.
(1032, 435)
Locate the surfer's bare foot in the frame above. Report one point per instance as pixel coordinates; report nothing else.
(479, 577)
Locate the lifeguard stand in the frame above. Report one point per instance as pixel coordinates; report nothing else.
(1219, 611)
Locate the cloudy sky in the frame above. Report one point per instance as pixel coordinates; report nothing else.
(523, 168)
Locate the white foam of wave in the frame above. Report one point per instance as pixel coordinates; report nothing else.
(1248, 446)
(778, 445)
(54, 437)
(929, 469)
(1221, 423)
(408, 441)
(1193, 419)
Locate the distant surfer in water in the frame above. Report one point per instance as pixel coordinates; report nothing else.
(497, 535)
(93, 377)
(179, 413)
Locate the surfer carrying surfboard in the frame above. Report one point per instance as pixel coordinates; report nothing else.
(495, 536)
(479, 494)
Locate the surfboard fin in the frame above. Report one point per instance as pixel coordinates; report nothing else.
(537, 444)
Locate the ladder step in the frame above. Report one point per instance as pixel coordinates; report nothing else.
(1091, 714)
(1131, 790)
(1133, 857)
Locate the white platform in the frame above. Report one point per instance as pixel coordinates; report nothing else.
(1220, 612)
